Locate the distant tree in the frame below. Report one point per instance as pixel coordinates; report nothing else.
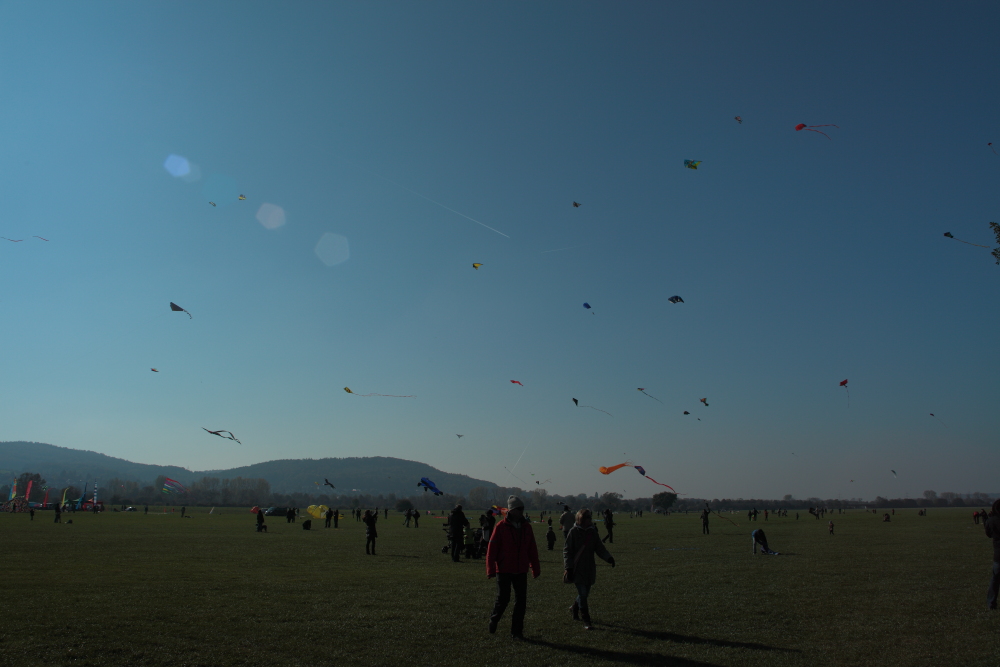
(948, 495)
(664, 500)
(996, 230)
(787, 498)
(930, 495)
(479, 497)
(403, 504)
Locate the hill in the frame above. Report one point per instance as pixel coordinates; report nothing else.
(374, 475)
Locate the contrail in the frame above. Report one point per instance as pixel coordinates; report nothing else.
(441, 205)
(519, 460)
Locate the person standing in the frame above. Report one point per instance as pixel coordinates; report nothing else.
(511, 553)
(578, 561)
(329, 517)
(183, 509)
(831, 527)
(992, 526)
(31, 514)
(58, 514)
(386, 513)
(609, 525)
(566, 521)
(145, 510)
(406, 519)
(370, 532)
(416, 518)
(336, 517)
(456, 526)
(704, 521)
(260, 520)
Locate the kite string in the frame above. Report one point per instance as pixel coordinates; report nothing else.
(975, 244)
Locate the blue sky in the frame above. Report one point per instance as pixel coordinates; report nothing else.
(802, 261)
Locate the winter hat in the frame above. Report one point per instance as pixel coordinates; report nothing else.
(514, 502)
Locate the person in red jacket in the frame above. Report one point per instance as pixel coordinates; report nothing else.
(511, 552)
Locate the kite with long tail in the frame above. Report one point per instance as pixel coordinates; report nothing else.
(643, 390)
(803, 126)
(219, 433)
(177, 309)
(711, 511)
(937, 418)
(577, 403)
(348, 390)
(948, 234)
(844, 385)
(607, 470)
(992, 149)
(642, 471)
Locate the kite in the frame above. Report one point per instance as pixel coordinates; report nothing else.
(317, 511)
(587, 306)
(937, 418)
(11, 240)
(326, 482)
(675, 299)
(803, 126)
(576, 205)
(428, 485)
(172, 486)
(154, 370)
(608, 470)
(243, 197)
(39, 237)
(476, 266)
(643, 390)
(705, 401)
(460, 434)
(686, 412)
(948, 234)
(642, 471)
(739, 120)
(219, 433)
(577, 403)
(516, 382)
(177, 309)
(893, 473)
(692, 164)
(992, 149)
(212, 203)
(844, 385)
(348, 390)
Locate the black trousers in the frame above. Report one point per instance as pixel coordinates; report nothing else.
(456, 549)
(520, 584)
(371, 541)
(610, 537)
(704, 528)
(328, 521)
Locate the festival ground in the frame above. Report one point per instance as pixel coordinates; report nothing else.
(131, 589)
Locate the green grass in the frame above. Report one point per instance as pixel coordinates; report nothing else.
(129, 589)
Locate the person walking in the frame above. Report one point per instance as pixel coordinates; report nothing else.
(992, 526)
(511, 553)
(370, 532)
(578, 562)
(609, 525)
(704, 521)
(831, 527)
(329, 517)
(566, 521)
(456, 526)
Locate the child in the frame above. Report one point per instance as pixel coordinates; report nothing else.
(551, 537)
(831, 527)
(470, 542)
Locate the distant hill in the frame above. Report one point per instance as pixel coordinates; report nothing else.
(374, 475)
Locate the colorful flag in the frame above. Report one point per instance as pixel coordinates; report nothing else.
(13, 490)
(65, 491)
(27, 494)
(173, 486)
(79, 503)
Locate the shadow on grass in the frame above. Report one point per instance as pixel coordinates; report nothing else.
(398, 556)
(684, 639)
(657, 659)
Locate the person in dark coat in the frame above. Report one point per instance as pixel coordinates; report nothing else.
(183, 509)
(578, 561)
(609, 525)
(329, 517)
(416, 518)
(370, 533)
(992, 527)
(58, 515)
(550, 537)
(566, 521)
(511, 553)
(456, 527)
(758, 537)
(290, 516)
(336, 517)
(261, 528)
(704, 521)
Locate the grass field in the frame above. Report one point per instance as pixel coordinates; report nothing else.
(129, 589)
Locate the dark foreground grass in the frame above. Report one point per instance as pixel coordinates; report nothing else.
(129, 589)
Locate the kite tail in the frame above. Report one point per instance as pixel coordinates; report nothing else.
(386, 395)
(608, 470)
(726, 518)
(939, 419)
(654, 398)
(660, 483)
(598, 409)
(823, 133)
(975, 244)
(189, 315)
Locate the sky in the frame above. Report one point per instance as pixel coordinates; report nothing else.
(383, 148)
